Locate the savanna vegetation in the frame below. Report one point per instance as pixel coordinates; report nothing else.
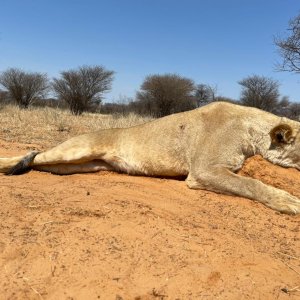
(83, 89)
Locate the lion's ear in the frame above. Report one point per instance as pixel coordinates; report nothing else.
(281, 134)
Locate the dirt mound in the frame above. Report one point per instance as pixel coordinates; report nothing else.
(112, 236)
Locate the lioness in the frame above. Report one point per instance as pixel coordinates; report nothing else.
(208, 145)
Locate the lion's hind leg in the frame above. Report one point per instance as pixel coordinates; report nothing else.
(70, 157)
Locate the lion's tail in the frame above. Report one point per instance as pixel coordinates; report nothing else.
(17, 165)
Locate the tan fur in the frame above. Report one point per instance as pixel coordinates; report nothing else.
(208, 145)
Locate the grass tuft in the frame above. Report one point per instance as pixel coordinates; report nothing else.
(49, 126)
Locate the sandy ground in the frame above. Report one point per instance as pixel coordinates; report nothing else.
(113, 236)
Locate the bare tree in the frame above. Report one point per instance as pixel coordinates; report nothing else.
(288, 109)
(165, 94)
(83, 87)
(3, 96)
(261, 92)
(205, 93)
(294, 111)
(24, 87)
(289, 47)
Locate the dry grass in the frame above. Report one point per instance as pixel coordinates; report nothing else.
(48, 126)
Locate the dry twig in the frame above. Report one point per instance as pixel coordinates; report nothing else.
(290, 256)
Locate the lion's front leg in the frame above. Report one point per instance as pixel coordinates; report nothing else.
(221, 180)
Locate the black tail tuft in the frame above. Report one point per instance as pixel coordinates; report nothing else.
(23, 166)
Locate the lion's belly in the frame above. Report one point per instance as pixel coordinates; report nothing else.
(150, 167)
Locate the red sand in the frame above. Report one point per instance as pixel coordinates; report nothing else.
(113, 236)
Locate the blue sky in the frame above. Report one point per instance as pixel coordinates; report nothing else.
(217, 42)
